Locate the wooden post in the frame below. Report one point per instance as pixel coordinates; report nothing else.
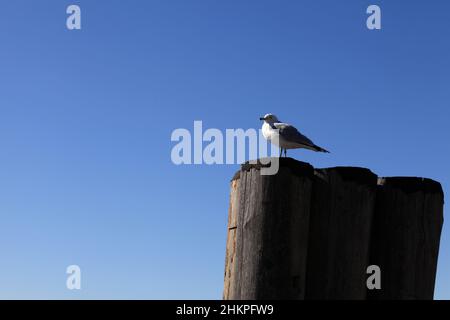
(229, 291)
(406, 235)
(311, 234)
(341, 214)
(268, 232)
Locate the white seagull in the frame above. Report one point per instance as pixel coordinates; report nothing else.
(287, 136)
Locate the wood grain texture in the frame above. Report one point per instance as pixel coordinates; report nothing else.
(341, 214)
(405, 242)
(311, 234)
(230, 256)
(272, 232)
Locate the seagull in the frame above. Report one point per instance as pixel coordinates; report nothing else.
(288, 136)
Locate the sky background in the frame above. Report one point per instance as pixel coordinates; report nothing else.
(86, 117)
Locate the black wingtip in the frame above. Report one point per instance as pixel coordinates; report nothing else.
(319, 149)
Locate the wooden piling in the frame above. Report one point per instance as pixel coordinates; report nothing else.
(268, 257)
(341, 214)
(311, 234)
(405, 240)
(229, 291)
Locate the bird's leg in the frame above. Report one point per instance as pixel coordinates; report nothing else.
(281, 152)
(285, 152)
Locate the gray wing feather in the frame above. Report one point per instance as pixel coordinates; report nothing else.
(290, 133)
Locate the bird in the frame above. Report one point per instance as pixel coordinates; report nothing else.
(286, 136)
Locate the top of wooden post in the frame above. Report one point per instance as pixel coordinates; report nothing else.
(412, 184)
(361, 175)
(298, 168)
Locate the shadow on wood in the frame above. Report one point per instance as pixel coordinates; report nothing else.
(405, 243)
(311, 234)
(342, 208)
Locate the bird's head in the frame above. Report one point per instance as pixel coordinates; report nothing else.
(270, 118)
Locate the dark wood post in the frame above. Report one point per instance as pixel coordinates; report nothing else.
(268, 232)
(311, 234)
(406, 235)
(341, 213)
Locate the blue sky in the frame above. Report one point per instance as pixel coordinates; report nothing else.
(86, 118)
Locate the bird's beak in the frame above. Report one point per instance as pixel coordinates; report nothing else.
(261, 119)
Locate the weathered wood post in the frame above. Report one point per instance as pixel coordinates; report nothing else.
(311, 234)
(268, 232)
(406, 234)
(230, 284)
(341, 214)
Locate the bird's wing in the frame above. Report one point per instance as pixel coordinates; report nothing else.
(290, 133)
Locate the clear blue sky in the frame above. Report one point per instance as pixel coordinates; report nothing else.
(86, 116)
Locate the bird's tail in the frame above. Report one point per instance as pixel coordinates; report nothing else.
(319, 149)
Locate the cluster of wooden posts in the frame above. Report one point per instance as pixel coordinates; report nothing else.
(308, 233)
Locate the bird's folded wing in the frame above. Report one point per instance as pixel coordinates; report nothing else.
(290, 133)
